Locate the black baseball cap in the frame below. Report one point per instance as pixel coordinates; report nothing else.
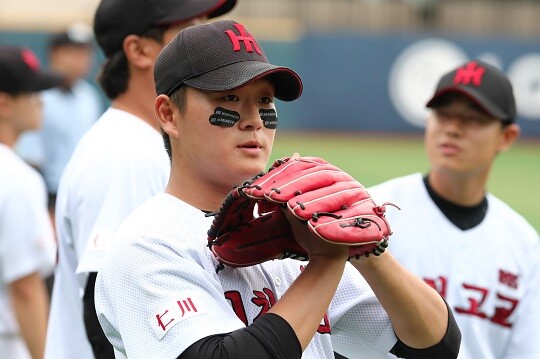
(77, 34)
(20, 71)
(116, 19)
(484, 84)
(219, 56)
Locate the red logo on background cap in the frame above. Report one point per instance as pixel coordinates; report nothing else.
(471, 73)
(249, 41)
(30, 59)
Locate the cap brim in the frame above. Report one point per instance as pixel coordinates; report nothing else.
(44, 81)
(194, 8)
(474, 96)
(287, 83)
(223, 7)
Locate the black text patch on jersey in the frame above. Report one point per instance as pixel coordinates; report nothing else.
(269, 118)
(224, 118)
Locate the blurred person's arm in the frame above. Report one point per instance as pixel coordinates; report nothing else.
(30, 303)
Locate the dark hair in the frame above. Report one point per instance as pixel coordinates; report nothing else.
(114, 74)
(178, 98)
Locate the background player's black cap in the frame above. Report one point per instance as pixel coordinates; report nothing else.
(116, 19)
(20, 72)
(77, 34)
(220, 56)
(484, 84)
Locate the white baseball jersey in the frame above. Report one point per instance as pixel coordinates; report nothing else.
(158, 291)
(27, 242)
(489, 274)
(118, 164)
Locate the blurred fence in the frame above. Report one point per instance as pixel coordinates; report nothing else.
(476, 17)
(367, 65)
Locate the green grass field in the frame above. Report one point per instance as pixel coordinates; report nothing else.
(515, 176)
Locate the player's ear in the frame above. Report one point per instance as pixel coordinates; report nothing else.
(135, 48)
(5, 105)
(165, 113)
(509, 135)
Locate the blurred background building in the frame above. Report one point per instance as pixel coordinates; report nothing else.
(367, 65)
(480, 17)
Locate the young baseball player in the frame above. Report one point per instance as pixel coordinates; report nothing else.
(479, 254)
(117, 165)
(27, 245)
(158, 293)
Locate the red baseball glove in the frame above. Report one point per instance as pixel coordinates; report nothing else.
(251, 228)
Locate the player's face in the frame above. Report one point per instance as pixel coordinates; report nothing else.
(463, 139)
(226, 156)
(74, 62)
(27, 111)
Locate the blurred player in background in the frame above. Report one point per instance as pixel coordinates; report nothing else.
(481, 256)
(27, 246)
(69, 110)
(117, 165)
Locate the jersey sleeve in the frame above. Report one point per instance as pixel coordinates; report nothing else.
(112, 195)
(526, 327)
(359, 322)
(154, 303)
(26, 236)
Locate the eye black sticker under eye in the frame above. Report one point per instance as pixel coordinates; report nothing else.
(269, 118)
(224, 118)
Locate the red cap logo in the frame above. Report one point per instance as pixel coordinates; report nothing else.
(30, 59)
(249, 41)
(470, 74)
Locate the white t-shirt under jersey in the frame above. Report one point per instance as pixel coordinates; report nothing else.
(489, 274)
(158, 291)
(27, 242)
(118, 164)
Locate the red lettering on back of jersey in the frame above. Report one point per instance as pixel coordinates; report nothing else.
(509, 279)
(475, 302)
(237, 304)
(476, 296)
(324, 327)
(503, 313)
(265, 299)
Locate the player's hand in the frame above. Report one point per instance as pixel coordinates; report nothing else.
(313, 245)
(337, 213)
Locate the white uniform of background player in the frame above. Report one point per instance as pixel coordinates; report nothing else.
(27, 245)
(27, 242)
(107, 177)
(120, 162)
(489, 270)
(489, 275)
(164, 238)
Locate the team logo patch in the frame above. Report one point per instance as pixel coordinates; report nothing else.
(173, 313)
(97, 246)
